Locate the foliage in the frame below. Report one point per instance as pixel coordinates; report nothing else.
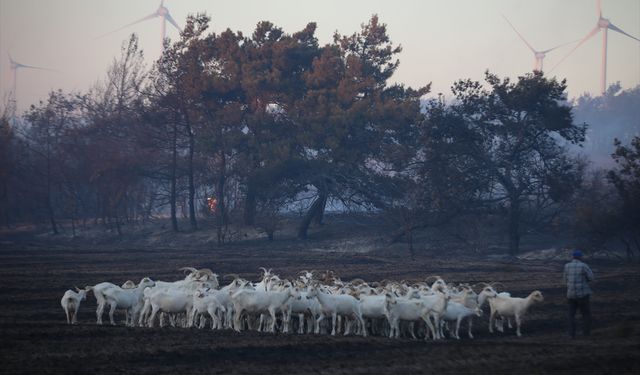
(511, 135)
(269, 121)
(626, 179)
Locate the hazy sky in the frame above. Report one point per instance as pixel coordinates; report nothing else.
(442, 40)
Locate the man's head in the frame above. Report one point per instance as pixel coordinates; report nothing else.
(577, 254)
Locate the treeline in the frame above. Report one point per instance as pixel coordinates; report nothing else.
(245, 128)
(616, 114)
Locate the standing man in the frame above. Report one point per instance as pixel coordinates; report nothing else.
(577, 276)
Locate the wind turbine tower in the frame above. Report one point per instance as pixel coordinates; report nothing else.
(14, 66)
(161, 12)
(605, 25)
(538, 56)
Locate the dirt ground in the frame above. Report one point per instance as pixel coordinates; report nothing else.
(35, 272)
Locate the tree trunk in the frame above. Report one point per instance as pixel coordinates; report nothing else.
(52, 219)
(636, 241)
(249, 216)
(313, 211)
(54, 226)
(192, 189)
(627, 246)
(319, 217)
(118, 228)
(514, 226)
(98, 209)
(174, 172)
(5, 203)
(409, 235)
(222, 210)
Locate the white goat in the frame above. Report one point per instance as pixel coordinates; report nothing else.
(203, 303)
(505, 306)
(374, 307)
(335, 305)
(203, 278)
(128, 299)
(71, 303)
(415, 309)
(128, 285)
(174, 301)
(405, 309)
(98, 290)
(306, 276)
(306, 307)
(261, 302)
(181, 286)
(457, 311)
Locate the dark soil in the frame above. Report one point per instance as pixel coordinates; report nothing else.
(34, 338)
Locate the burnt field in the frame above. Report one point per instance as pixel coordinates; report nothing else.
(35, 338)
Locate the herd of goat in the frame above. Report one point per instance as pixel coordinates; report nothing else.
(394, 309)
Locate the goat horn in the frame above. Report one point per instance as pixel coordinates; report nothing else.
(230, 276)
(206, 271)
(190, 269)
(77, 289)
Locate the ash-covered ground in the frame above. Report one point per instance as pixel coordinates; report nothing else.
(35, 272)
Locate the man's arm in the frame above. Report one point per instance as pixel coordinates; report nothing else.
(588, 273)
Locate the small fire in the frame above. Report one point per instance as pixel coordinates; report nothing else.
(213, 204)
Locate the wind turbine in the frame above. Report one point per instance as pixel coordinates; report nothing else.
(14, 66)
(161, 12)
(538, 56)
(603, 24)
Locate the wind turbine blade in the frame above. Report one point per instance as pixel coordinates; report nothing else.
(172, 21)
(599, 8)
(34, 67)
(152, 15)
(520, 35)
(615, 28)
(560, 45)
(18, 65)
(591, 33)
